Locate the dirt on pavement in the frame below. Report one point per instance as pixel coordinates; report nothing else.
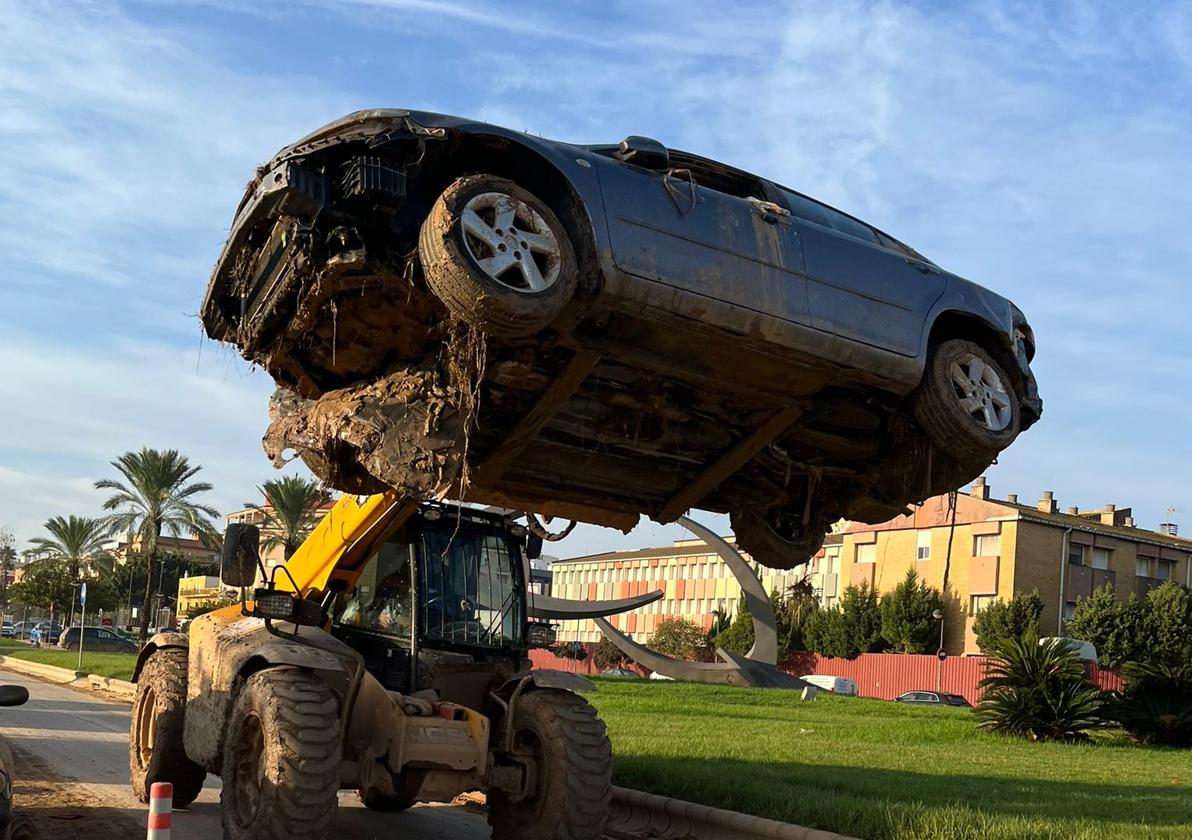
(62, 809)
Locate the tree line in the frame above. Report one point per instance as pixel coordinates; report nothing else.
(154, 494)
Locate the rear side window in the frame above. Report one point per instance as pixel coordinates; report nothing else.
(812, 211)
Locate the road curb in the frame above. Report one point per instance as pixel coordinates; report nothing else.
(639, 814)
(65, 676)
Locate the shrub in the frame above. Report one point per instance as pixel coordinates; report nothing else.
(1038, 691)
(681, 639)
(907, 622)
(607, 655)
(570, 650)
(1156, 705)
(1118, 630)
(862, 617)
(1005, 620)
(1168, 622)
(827, 634)
(739, 636)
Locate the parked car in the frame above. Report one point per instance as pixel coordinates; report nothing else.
(836, 685)
(96, 640)
(730, 344)
(1085, 651)
(938, 698)
(8, 629)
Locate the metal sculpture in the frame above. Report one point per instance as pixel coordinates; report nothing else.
(757, 668)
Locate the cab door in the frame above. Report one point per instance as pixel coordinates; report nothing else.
(705, 229)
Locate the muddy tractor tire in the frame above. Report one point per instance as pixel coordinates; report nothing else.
(155, 749)
(560, 732)
(282, 753)
(967, 403)
(777, 538)
(497, 256)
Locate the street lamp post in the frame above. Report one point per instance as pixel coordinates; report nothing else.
(940, 654)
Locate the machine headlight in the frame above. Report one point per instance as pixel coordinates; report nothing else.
(541, 635)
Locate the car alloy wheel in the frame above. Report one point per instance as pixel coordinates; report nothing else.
(981, 393)
(511, 242)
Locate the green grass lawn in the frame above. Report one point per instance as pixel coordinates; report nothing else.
(886, 771)
(116, 665)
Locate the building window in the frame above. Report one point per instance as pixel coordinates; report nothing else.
(867, 553)
(1100, 558)
(1069, 610)
(1076, 554)
(1142, 567)
(977, 603)
(986, 545)
(923, 546)
(1164, 569)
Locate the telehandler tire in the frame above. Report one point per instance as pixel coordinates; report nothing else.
(567, 742)
(155, 749)
(281, 758)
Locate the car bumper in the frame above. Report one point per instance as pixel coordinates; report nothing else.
(281, 202)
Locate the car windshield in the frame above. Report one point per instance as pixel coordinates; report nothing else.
(468, 589)
(955, 700)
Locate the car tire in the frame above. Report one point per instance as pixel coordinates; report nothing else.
(281, 761)
(758, 536)
(486, 267)
(967, 403)
(562, 734)
(155, 749)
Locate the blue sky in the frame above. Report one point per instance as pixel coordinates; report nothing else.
(1041, 151)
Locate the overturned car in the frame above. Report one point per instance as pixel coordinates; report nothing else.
(451, 308)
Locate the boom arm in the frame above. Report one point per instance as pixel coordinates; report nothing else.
(339, 546)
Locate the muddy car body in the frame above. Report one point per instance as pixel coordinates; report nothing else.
(671, 333)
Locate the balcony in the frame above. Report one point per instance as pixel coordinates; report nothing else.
(1083, 580)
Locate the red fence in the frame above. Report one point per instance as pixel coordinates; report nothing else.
(880, 675)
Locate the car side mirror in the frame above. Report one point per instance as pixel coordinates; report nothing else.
(13, 695)
(644, 152)
(241, 554)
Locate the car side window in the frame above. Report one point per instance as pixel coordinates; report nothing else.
(719, 177)
(810, 210)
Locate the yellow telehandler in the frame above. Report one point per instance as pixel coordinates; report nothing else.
(389, 655)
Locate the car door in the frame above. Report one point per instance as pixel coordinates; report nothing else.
(706, 229)
(861, 285)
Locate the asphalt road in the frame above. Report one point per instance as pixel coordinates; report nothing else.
(72, 779)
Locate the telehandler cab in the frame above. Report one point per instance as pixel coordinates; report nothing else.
(389, 655)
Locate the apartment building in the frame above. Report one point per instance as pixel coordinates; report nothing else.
(989, 548)
(696, 583)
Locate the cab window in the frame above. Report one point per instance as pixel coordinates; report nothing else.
(380, 600)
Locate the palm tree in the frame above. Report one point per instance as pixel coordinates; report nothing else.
(78, 542)
(156, 496)
(290, 512)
